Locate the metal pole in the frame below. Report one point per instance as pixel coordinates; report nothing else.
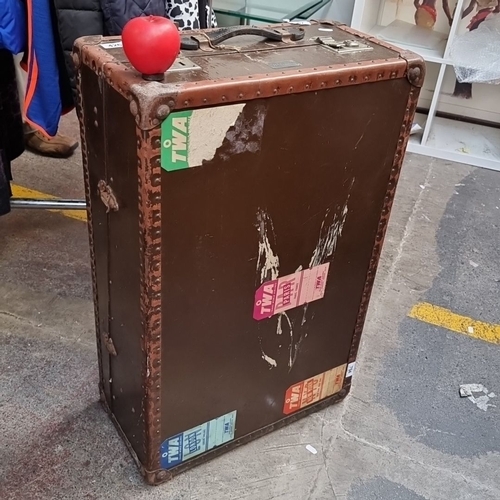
(48, 204)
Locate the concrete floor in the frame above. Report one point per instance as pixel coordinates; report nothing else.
(402, 434)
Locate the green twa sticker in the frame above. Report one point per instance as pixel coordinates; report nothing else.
(191, 138)
(175, 141)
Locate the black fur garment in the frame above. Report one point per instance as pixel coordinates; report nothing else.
(186, 14)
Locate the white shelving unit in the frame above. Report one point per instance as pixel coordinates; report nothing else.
(445, 138)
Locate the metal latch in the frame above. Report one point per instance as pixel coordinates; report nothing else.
(183, 64)
(343, 46)
(107, 196)
(110, 346)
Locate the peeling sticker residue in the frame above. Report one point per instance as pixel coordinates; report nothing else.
(246, 134)
(270, 361)
(304, 316)
(276, 295)
(187, 143)
(330, 232)
(268, 262)
(290, 329)
(279, 328)
(328, 236)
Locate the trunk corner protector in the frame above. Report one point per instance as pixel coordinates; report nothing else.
(148, 107)
(416, 68)
(416, 73)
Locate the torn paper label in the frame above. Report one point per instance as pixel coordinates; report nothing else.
(350, 369)
(188, 138)
(112, 45)
(314, 389)
(288, 292)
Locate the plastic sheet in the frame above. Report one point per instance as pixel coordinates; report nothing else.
(475, 55)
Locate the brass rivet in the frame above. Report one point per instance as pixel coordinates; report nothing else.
(133, 108)
(162, 112)
(337, 82)
(96, 124)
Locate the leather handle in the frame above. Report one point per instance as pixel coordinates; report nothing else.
(215, 37)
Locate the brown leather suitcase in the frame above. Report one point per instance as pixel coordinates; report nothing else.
(237, 214)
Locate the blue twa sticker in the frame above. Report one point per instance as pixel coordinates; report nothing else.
(198, 440)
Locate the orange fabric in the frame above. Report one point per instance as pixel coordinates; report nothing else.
(33, 72)
(32, 66)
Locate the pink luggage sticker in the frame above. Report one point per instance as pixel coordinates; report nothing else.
(287, 292)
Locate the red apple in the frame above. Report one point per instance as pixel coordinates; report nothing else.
(151, 44)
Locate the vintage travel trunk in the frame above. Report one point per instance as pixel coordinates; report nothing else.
(237, 214)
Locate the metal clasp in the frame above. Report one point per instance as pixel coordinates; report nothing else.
(342, 46)
(107, 196)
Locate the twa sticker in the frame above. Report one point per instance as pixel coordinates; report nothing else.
(200, 439)
(184, 139)
(314, 389)
(280, 295)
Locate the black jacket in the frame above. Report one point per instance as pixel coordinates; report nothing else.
(76, 18)
(11, 127)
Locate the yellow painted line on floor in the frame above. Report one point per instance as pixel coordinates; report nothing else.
(439, 316)
(24, 192)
